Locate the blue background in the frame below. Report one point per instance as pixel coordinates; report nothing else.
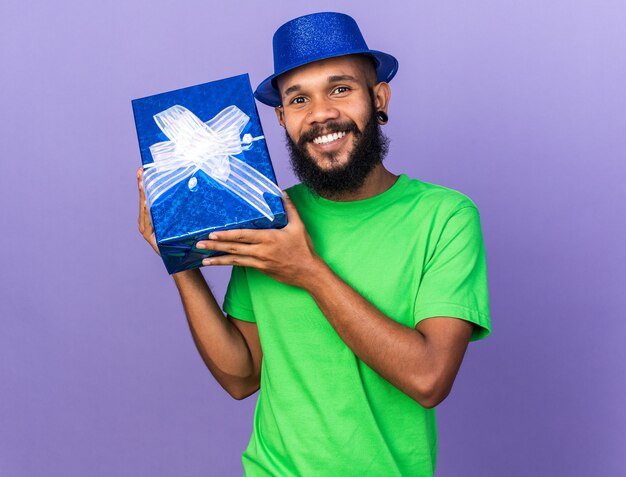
(520, 105)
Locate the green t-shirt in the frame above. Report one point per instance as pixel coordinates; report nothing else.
(415, 251)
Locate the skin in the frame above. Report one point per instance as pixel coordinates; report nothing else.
(422, 361)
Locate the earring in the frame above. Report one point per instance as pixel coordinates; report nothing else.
(382, 117)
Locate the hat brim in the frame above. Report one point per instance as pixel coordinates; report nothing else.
(386, 69)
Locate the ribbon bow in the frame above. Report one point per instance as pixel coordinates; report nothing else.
(210, 147)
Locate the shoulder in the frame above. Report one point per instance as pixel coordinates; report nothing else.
(438, 199)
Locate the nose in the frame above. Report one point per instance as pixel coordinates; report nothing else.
(320, 111)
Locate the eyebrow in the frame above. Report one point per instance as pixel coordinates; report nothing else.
(292, 89)
(331, 79)
(336, 78)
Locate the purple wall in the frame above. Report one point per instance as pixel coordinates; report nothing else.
(520, 105)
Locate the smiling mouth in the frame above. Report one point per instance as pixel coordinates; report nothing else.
(328, 138)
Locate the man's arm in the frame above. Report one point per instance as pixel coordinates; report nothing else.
(229, 347)
(421, 361)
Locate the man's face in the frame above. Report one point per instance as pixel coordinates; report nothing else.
(329, 115)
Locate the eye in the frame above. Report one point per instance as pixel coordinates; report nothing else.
(341, 89)
(298, 100)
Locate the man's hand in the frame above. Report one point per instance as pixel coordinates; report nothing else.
(145, 226)
(286, 255)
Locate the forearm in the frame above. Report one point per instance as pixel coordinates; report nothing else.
(220, 344)
(398, 353)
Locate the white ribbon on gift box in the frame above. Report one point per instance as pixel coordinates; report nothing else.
(210, 147)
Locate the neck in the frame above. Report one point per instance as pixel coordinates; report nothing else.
(377, 182)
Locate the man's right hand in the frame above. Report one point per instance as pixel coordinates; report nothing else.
(230, 348)
(145, 226)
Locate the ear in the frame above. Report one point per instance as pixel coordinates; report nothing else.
(280, 114)
(382, 95)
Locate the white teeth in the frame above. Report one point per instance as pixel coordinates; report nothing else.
(329, 138)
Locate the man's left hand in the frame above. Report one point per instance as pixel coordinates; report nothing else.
(287, 255)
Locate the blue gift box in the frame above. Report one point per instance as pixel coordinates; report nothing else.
(206, 167)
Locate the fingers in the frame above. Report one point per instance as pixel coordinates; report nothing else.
(249, 236)
(290, 209)
(144, 217)
(236, 260)
(142, 203)
(140, 185)
(236, 248)
(143, 221)
(145, 213)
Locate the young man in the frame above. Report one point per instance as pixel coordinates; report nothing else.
(352, 320)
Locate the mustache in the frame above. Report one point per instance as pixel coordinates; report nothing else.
(328, 128)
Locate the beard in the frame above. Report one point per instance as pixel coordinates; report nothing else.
(369, 149)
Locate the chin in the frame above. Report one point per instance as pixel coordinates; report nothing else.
(327, 161)
(332, 163)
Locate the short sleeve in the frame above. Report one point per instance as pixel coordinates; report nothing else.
(237, 301)
(454, 280)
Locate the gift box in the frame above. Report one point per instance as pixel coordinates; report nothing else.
(206, 167)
